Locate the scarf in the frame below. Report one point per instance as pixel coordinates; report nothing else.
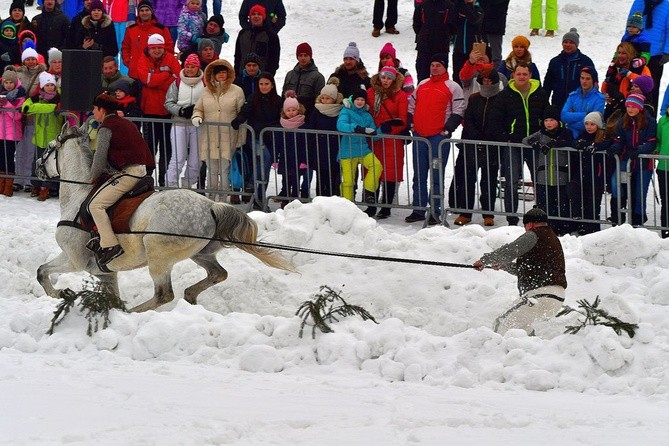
(649, 6)
(488, 91)
(511, 60)
(330, 110)
(44, 96)
(292, 123)
(190, 81)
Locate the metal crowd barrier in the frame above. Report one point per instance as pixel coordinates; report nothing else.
(471, 181)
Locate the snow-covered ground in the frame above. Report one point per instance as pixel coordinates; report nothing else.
(233, 370)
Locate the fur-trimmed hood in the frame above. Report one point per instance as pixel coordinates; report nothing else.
(209, 76)
(397, 85)
(104, 22)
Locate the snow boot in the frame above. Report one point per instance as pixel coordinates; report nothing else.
(8, 189)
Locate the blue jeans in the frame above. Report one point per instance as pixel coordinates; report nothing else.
(421, 167)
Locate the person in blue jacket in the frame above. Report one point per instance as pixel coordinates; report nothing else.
(585, 99)
(354, 149)
(564, 70)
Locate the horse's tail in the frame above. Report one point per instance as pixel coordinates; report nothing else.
(234, 225)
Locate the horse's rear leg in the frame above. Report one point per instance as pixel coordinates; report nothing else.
(215, 274)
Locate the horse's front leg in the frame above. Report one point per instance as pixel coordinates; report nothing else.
(59, 265)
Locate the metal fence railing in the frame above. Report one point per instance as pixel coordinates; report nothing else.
(580, 191)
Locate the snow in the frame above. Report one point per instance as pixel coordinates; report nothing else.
(232, 370)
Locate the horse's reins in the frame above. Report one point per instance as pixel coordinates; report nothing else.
(310, 251)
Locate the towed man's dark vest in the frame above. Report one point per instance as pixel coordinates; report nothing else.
(543, 265)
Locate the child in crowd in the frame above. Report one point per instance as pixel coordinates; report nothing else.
(635, 35)
(290, 148)
(127, 104)
(354, 150)
(12, 96)
(190, 26)
(25, 149)
(47, 127)
(589, 175)
(324, 149)
(635, 135)
(9, 51)
(552, 174)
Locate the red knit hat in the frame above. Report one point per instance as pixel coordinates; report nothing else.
(260, 9)
(192, 59)
(304, 47)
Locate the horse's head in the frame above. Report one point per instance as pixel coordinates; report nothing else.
(48, 166)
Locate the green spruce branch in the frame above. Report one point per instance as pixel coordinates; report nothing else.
(324, 309)
(96, 300)
(597, 316)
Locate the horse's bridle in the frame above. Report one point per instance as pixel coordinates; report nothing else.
(52, 149)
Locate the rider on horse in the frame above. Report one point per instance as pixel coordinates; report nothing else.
(122, 153)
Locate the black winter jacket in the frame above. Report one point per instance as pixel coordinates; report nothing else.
(514, 118)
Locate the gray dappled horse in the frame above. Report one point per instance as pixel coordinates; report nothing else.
(179, 211)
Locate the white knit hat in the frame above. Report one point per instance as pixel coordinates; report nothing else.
(156, 39)
(28, 52)
(46, 78)
(54, 54)
(596, 118)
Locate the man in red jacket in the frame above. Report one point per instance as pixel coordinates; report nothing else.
(156, 70)
(437, 107)
(123, 153)
(137, 36)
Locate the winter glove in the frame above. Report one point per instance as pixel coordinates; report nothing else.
(623, 71)
(664, 59)
(613, 150)
(196, 121)
(386, 127)
(545, 148)
(235, 124)
(186, 112)
(581, 144)
(638, 62)
(364, 130)
(5, 57)
(536, 145)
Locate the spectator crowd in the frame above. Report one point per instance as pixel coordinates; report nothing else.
(166, 69)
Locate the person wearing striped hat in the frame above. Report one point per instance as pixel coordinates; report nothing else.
(635, 135)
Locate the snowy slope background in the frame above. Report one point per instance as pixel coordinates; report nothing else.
(233, 370)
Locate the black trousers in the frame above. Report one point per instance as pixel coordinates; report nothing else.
(391, 17)
(157, 136)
